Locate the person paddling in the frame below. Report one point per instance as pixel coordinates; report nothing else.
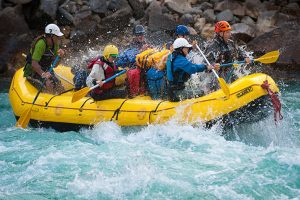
(43, 51)
(102, 69)
(224, 50)
(179, 70)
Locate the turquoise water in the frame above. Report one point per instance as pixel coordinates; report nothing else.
(156, 162)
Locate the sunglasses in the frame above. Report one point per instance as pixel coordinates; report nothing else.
(113, 55)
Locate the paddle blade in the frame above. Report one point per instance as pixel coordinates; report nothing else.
(224, 87)
(24, 118)
(80, 94)
(268, 58)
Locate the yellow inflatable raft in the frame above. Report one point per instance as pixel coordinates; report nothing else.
(247, 97)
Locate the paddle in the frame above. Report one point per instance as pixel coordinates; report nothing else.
(83, 92)
(25, 116)
(64, 78)
(268, 58)
(222, 82)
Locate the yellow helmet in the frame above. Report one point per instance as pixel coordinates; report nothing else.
(110, 50)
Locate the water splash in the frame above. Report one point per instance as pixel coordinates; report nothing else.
(168, 161)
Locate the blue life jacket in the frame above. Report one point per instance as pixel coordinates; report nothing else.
(157, 85)
(127, 58)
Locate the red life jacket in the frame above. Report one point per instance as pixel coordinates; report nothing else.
(108, 72)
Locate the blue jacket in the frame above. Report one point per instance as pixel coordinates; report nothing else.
(181, 69)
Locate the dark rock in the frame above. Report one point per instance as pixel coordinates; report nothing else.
(35, 17)
(281, 2)
(87, 26)
(10, 45)
(179, 7)
(236, 20)
(84, 8)
(161, 22)
(5, 4)
(98, 6)
(293, 5)
(187, 19)
(96, 18)
(82, 15)
(236, 7)
(206, 5)
(294, 1)
(138, 8)
(248, 20)
(209, 15)
(165, 9)
(225, 15)
(208, 31)
(196, 11)
(153, 8)
(268, 6)
(12, 21)
(243, 32)
(77, 35)
(266, 21)
(293, 9)
(200, 23)
(286, 39)
(215, 1)
(64, 18)
(118, 19)
(70, 7)
(201, 1)
(158, 21)
(115, 5)
(282, 19)
(252, 8)
(49, 7)
(20, 1)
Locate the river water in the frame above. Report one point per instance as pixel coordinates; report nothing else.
(170, 161)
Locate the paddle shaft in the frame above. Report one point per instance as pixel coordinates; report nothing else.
(207, 61)
(44, 81)
(268, 58)
(25, 116)
(109, 79)
(230, 64)
(63, 78)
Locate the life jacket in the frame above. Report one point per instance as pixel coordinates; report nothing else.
(46, 59)
(156, 82)
(92, 62)
(176, 79)
(108, 72)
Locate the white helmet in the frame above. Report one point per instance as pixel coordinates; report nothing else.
(181, 42)
(53, 29)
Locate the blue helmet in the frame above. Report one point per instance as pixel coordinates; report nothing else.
(182, 30)
(139, 30)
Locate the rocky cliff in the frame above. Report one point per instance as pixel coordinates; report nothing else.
(262, 25)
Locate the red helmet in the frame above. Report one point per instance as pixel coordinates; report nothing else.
(222, 26)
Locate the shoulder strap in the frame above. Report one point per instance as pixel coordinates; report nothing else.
(36, 41)
(99, 62)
